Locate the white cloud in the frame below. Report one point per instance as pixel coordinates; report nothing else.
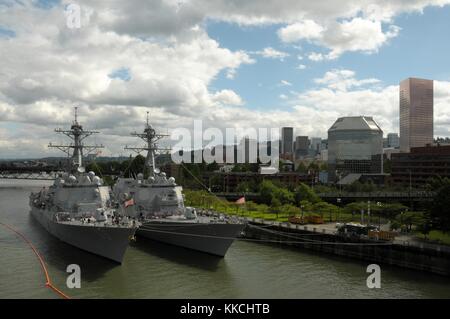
(340, 26)
(227, 97)
(304, 30)
(285, 83)
(315, 56)
(271, 53)
(301, 67)
(343, 80)
(357, 35)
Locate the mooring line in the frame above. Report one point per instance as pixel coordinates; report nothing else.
(48, 283)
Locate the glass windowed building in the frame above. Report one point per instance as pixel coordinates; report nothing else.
(301, 146)
(416, 113)
(355, 145)
(287, 142)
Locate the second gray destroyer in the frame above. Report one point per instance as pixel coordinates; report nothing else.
(158, 203)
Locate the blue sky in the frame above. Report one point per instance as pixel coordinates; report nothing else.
(229, 64)
(420, 50)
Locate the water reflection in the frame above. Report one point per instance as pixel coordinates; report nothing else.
(179, 255)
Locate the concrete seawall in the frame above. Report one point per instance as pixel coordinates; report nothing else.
(429, 258)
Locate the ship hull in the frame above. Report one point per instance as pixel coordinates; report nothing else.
(211, 238)
(108, 242)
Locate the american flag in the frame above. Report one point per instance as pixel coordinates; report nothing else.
(129, 202)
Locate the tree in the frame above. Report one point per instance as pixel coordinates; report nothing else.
(216, 183)
(275, 206)
(412, 218)
(301, 168)
(440, 208)
(393, 209)
(324, 208)
(395, 225)
(436, 183)
(313, 166)
(243, 187)
(424, 227)
(324, 166)
(304, 192)
(212, 167)
(268, 191)
(290, 210)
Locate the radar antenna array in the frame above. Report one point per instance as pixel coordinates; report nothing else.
(150, 137)
(77, 134)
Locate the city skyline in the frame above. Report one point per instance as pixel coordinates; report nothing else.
(297, 66)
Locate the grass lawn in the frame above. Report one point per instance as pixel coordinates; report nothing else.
(437, 235)
(282, 217)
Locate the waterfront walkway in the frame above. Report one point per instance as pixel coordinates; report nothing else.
(330, 229)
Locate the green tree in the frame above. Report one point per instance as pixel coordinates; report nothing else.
(301, 168)
(268, 191)
(243, 187)
(395, 225)
(304, 192)
(212, 167)
(412, 218)
(393, 209)
(440, 208)
(290, 210)
(424, 227)
(275, 206)
(313, 166)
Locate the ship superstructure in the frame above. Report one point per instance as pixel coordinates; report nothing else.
(159, 205)
(77, 208)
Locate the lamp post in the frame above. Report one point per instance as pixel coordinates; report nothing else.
(379, 215)
(338, 200)
(410, 188)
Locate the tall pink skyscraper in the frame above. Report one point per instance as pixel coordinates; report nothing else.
(416, 113)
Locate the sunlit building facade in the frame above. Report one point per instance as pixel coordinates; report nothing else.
(416, 113)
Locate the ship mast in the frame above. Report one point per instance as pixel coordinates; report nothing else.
(150, 137)
(77, 135)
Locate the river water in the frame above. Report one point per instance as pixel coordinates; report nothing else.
(153, 270)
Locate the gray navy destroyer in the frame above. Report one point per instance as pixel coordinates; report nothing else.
(158, 203)
(78, 209)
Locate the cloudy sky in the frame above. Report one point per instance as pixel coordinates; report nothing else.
(231, 63)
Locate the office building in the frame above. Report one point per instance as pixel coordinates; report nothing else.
(287, 142)
(393, 141)
(355, 145)
(421, 164)
(301, 146)
(315, 144)
(416, 113)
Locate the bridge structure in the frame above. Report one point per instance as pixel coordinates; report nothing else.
(33, 175)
